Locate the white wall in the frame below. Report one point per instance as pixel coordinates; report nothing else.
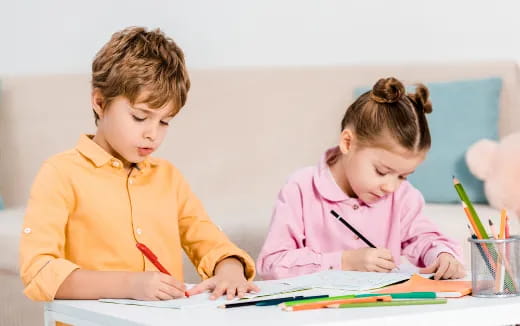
(54, 36)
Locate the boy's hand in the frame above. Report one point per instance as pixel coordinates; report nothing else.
(367, 260)
(229, 279)
(445, 267)
(155, 286)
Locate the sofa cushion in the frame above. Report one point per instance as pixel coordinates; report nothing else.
(464, 111)
(11, 220)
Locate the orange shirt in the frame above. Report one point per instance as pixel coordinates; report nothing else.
(85, 211)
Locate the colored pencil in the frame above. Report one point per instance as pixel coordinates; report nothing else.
(324, 304)
(269, 302)
(304, 301)
(390, 303)
(464, 197)
(505, 263)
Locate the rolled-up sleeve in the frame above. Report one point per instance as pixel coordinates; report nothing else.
(204, 243)
(421, 240)
(43, 267)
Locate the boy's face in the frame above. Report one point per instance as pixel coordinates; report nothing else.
(130, 132)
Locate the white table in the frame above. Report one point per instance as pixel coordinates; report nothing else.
(467, 310)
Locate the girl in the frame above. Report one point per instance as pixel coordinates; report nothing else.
(384, 138)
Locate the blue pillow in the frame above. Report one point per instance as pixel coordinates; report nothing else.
(463, 112)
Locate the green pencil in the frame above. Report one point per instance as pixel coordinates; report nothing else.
(404, 295)
(464, 197)
(294, 303)
(389, 303)
(483, 234)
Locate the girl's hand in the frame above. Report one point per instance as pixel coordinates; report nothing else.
(154, 286)
(229, 279)
(445, 267)
(368, 260)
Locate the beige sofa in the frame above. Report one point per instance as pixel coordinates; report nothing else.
(241, 134)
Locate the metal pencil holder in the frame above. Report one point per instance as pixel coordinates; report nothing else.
(495, 267)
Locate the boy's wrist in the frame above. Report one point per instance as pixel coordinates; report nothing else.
(230, 263)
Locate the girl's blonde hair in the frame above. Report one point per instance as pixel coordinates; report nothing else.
(388, 108)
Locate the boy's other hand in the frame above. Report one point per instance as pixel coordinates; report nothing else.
(229, 279)
(445, 267)
(155, 286)
(368, 260)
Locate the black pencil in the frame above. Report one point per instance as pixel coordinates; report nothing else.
(270, 302)
(351, 228)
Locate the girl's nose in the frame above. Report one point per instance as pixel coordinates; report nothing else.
(389, 187)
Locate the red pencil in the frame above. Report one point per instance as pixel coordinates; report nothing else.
(153, 258)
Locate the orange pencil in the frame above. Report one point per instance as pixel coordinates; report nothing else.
(471, 221)
(501, 258)
(325, 303)
(507, 227)
(502, 232)
(479, 235)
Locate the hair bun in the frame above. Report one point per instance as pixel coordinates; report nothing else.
(422, 98)
(387, 90)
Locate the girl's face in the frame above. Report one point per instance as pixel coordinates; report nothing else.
(131, 132)
(371, 173)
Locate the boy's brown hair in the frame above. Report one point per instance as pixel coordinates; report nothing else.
(387, 108)
(136, 62)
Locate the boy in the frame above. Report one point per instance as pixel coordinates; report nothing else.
(91, 205)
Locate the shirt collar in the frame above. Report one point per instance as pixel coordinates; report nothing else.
(326, 184)
(97, 155)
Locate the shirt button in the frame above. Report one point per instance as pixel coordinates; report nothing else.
(27, 230)
(115, 164)
(139, 231)
(356, 206)
(131, 181)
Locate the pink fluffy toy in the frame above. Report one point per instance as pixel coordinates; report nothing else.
(498, 165)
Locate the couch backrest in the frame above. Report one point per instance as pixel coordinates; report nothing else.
(241, 134)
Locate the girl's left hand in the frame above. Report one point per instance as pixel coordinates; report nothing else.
(229, 279)
(445, 267)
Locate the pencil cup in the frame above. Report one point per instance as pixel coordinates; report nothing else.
(495, 267)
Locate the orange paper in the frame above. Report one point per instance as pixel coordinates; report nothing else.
(418, 283)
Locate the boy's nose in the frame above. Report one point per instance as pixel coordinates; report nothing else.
(150, 133)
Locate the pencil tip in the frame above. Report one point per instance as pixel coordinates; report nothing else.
(490, 222)
(455, 180)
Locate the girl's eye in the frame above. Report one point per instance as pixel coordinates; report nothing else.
(165, 123)
(380, 173)
(137, 118)
(403, 178)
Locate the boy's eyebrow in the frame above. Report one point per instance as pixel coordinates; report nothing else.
(169, 115)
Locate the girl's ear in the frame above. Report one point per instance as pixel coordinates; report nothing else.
(98, 102)
(345, 140)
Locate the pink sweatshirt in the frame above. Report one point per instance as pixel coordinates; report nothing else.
(304, 237)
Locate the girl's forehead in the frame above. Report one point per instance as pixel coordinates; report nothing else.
(397, 159)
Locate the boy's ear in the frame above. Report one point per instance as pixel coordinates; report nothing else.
(98, 102)
(345, 140)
